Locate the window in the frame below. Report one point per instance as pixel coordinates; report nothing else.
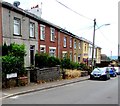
(42, 49)
(65, 41)
(64, 54)
(75, 60)
(52, 37)
(70, 42)
(52, 51)
(17, 23)
(32, 30)
(70, 56)
(42, 32)
(85, 48)
(79, 45)
(75, 44)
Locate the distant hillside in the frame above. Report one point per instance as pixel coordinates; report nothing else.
(113, 57)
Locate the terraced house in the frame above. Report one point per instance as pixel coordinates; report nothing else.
(20, 27)
(39, 35)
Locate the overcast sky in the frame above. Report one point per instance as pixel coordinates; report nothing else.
(105, 12)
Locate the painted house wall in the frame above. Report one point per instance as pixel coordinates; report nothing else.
(8, 32)
(0, 24)
(98, 55)
(77, 50)
(84, 51)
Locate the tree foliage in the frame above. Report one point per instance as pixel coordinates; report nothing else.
(13, 58)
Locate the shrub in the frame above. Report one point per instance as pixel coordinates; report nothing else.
(67, 64)
(44, 60)
(53, 61)
(41, 60)
(13, 59)
(83, 67)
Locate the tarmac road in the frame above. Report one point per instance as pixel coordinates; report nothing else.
(86, 92)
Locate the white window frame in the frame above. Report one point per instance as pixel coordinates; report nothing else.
(79, 45)
(52, 53)
(17, 25)
(32, 30)
(75, 44)
(75, 58)
(70, 56)
(70, 42)
(52, 34)
(64, 54)
(42, 51)
(42, 32)
(65, 41)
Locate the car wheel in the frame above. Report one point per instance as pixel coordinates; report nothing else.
(105, 78)
(91, 77)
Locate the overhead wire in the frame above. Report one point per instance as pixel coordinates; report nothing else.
(105, 36)
(83, 17)
(74, 10)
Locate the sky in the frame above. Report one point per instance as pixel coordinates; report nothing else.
(104, 11)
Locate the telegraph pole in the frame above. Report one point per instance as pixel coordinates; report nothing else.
(93, 46)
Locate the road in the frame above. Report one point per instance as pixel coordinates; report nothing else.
(85, 92)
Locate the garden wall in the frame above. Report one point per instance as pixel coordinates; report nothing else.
(45, 74)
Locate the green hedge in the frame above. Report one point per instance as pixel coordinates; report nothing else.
(13, 59)
(67, 64)
(44, 60)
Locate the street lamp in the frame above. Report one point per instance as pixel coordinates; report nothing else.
(93, 45)
(102, 26)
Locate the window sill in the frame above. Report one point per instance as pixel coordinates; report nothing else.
(32, 37)
(42, 39)
(52, 41)
(17, 35)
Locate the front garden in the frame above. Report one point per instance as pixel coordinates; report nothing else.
(46, 68)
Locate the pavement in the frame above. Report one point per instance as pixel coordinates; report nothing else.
(33, 87)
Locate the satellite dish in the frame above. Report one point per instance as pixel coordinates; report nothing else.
(16, 3)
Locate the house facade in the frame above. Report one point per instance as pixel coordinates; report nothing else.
(48, 39)
(98, 55)
(21, 28)
(0, 24)
(38, 35)
(77, 49)
(84, 51)
(66, 44)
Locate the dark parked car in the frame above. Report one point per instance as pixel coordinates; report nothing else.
(117, 69)
(100, 73)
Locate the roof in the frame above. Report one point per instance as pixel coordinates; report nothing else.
(28, 14)
(39, 19)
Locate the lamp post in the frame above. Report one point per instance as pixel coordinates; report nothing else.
(93, 45)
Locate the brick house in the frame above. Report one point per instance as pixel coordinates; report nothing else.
(66, 44)
(48, 38)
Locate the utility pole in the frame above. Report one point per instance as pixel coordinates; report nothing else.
(93, 46)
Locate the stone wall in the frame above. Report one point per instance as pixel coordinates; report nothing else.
(45, 74)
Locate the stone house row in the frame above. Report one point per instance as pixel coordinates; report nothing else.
(38, 35)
